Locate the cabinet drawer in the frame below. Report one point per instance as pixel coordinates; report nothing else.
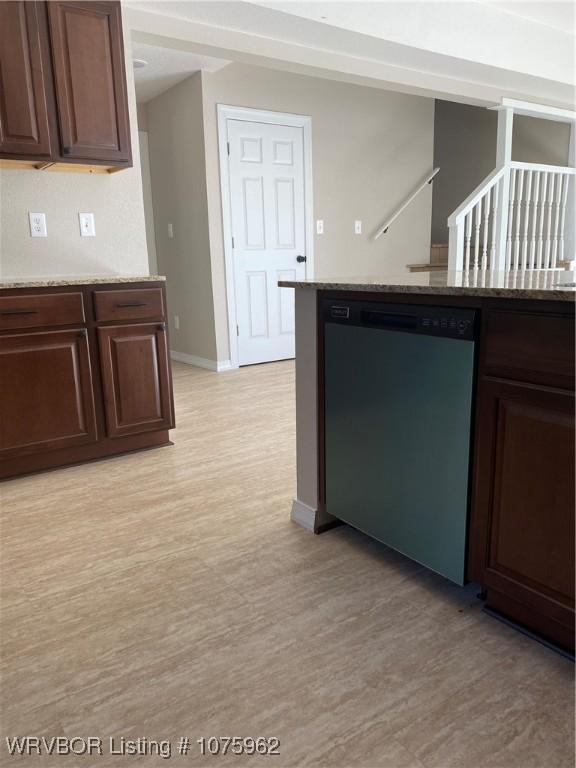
(40, 310)
(140, 304)
(529, 347)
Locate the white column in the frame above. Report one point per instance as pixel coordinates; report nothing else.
(570, 226)
(503, 158)
(456, 247)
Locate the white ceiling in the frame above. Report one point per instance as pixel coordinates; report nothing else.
(534, 38)
(477, 51)
(166, 67)
(558, 15)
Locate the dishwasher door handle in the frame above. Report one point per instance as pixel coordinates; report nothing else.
(382, 319)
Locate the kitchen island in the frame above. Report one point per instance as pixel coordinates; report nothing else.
(84, 370)
(518, 515)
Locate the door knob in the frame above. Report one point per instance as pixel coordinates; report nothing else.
(300, 259)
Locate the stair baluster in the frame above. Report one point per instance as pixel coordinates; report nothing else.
(548, 258)
(468, 239)
(557, 202)
(510, 220)
(527, 210)
(567, 182)
(497, 191)
(518, 207)
(541, 222)
(532, 263)
(485, 233)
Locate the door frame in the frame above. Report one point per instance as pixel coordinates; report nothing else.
(226, 112)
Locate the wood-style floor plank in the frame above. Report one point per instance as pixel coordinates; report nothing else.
(167, 594)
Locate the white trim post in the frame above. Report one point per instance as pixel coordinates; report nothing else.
(503, 159)
(456, 247)
(570, 227)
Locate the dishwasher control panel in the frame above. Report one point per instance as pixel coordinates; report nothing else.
(451, 322)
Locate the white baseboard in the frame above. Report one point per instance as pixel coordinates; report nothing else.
(303, 515)
(201, 362)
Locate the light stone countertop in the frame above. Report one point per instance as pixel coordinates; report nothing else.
(530, 284)
(51, 282)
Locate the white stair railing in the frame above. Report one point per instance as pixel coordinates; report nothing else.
(514, 220)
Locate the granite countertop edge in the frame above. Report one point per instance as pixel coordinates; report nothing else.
(55, 282)
(546, 294)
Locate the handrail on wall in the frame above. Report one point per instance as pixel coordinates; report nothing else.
(385, 227)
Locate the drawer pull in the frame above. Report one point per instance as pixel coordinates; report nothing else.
(19, 312)
(131, 304)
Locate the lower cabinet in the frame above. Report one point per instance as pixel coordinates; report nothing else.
(137, 392)
(84, 374)
(522, 543)
(46, 392)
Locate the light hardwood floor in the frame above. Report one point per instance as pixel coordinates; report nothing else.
(167, 594)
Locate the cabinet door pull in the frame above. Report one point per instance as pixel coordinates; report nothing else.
(162, 327)
(19, 312)
(131, 304)
(83, 332)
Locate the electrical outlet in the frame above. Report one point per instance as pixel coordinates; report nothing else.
(170, 230)
(358, 227)
(320, 226)
(87, 226)
(37, 224)
(177, 322)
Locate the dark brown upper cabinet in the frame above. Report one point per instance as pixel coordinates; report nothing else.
(24, 75)
(90, 81)
(64, 97)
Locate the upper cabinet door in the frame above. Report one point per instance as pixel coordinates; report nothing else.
(24, 77)
(90, 81)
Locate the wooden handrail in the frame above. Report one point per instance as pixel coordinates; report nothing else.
(385, 227)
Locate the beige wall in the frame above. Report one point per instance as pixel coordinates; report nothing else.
(147, 196)
(142, 115)
(370, 148)
(178, 173)
(115, 199)
(465, 151)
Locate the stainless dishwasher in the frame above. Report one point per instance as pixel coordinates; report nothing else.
(398, 406)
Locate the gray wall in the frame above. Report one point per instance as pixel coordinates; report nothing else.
(115, 199)
(465, 151)
(178, 173)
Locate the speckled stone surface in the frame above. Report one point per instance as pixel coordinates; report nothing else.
(530, 284)
(51, 282)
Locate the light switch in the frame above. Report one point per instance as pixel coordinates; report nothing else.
(170, 230)
(37, 224)
(87, 226)
(320, 226)
(176, 322)
(358, 227)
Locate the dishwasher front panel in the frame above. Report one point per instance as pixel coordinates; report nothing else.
(397, 439)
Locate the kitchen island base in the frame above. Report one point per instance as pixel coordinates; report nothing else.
(520, 546)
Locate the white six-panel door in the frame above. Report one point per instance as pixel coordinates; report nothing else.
(266, 177)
